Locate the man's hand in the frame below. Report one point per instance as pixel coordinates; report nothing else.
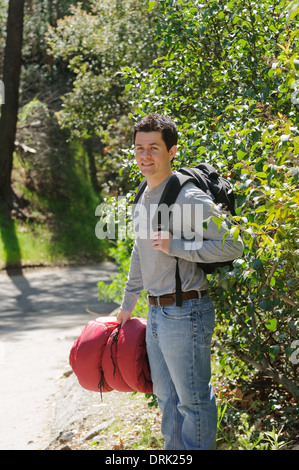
(161, 241)
(123, 316)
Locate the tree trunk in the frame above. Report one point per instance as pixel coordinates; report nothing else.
(9, 110)
(92, 165)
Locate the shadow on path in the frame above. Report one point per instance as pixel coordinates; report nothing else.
(58, 297)
(13, 263)
(48, 297)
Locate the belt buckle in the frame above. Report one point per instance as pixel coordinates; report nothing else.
(161, 300)
(152, 300)
(170, 299)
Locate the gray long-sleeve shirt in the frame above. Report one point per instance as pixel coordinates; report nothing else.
(153, 270)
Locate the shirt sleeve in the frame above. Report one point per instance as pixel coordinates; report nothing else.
(208, 246)
(134, 284)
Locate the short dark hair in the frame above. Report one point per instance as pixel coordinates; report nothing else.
(158, 122)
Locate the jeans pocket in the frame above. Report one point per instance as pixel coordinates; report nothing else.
(172, 312)
(206, 322)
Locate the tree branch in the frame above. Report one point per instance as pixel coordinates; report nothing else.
(265, 368)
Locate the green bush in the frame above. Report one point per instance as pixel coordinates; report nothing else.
(230, 81)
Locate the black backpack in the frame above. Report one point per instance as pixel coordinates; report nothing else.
(205, 177)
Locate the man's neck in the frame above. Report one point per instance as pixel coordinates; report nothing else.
(152, 184)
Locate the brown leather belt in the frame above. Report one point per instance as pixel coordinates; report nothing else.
(169, 299)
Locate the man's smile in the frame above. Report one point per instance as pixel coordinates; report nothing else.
(152, 157)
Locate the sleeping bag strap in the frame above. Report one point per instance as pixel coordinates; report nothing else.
(114, 337)
(101, 382)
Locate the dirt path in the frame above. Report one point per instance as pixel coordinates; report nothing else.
(41, 314)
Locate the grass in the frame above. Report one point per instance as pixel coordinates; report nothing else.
(24, 244)
(142, 434)
(60, 227)
(249, 412)
(66, 235)
(243, 435)
(136, 427)
(140, 430)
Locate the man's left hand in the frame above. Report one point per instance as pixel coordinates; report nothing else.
(161, 241)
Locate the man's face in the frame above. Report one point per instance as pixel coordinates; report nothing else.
(152, 157)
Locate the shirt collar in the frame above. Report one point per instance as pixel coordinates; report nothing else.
(158, 189)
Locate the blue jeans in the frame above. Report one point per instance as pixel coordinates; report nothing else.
(178, 341)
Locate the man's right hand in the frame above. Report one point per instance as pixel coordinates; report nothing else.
(123, 316)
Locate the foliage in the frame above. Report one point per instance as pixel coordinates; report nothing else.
(96, 45)
(57, 221)
(230, 93)
(248, 438)
(229, 80)
(243, 435)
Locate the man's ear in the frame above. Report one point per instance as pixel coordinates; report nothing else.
(172, 152)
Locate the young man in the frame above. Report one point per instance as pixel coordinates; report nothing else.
(178, 338)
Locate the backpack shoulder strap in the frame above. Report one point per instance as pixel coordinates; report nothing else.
(140, 190)
(173, 187)
(171, 190)
(169, 196)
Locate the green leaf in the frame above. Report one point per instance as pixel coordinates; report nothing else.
(151, 5)
(240, 154)
(257, 264)
(293, 12)
(274, 351)
(236, 233)
(217, 221)
(261, 209)
(266, 304)
(261, 174)
(224, 237)
(238, 263)
(271, 324)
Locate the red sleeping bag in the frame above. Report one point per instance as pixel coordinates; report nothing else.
(106, 357)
